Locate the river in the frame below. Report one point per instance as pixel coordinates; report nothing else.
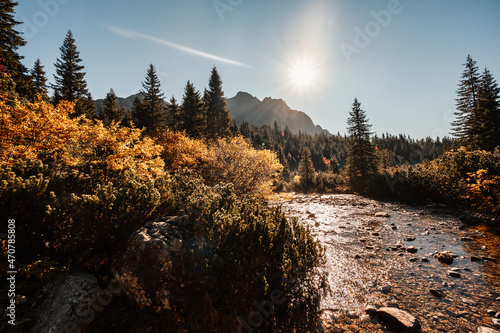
(368, 262)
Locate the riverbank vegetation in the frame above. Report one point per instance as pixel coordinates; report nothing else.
(78, 183)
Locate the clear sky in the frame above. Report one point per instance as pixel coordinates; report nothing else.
(401, 59)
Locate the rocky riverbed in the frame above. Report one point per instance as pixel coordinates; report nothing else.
(425, 261)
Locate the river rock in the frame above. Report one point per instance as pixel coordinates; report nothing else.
(446, 257)
(410, 238)
(371, 310)
(484, 329)
(411, 249)
(382, 214)
(454, 274)
(424, 259)
(67, 304)
(398, 319)
(436, 292)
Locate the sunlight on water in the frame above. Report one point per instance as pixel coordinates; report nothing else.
(366, 262)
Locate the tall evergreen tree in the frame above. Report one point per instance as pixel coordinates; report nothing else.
(489, 111)
(361, 156)
(192, 115)
(152, 111)
(467, 125)
(70, 84)
(173, 115)
(111, 110)
(10, 42)
(218, 119)
(306, 170)
(39, 81)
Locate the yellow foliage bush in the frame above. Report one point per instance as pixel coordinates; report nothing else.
(180, 151)
(234, 160)
(40, 131)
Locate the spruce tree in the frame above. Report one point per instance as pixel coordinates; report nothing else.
(39, 81)
(70, 84)
(192, 114)
(152, 110)
(218, 119)
(361, 156)
(10, 42)
(111, 110)
(173, 115)
(306, 170)
(489, 112)
(467, 125)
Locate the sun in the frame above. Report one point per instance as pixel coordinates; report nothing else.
(303, 74)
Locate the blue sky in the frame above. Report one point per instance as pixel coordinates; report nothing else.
(401, 59)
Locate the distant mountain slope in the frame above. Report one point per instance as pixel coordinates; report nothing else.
(245, 107)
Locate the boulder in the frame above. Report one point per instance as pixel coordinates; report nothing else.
(446, 257)
(398, 319)
(67, 304)
(157, 257)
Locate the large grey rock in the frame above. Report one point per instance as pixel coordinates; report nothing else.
(398, 319)
(484, 329)
(67, 304)
(156, 261)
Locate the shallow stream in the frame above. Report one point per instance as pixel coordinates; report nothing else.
(368, 262)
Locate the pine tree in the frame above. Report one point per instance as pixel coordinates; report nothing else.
(467, 126)
(192, 115)
(173, 115)
(39, 81)
(153, 106)
(361, 156)
(306, 170)
(489, 111)
(70, 79)
(111, 110)
(218, 119)
(10, 42)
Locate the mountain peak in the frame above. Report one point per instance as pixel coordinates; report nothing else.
(247, 108)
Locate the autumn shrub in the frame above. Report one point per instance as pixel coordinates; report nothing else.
(182, 152)
(471, 178)
(234, 160)
(75, 187)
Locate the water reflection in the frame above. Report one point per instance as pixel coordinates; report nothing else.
(367, 263)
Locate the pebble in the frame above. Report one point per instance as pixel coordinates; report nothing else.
(454, 274)
(410, 238)
(469, 301)
(436, 292)
(386, 289)
(424, 259)
(411, 249)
